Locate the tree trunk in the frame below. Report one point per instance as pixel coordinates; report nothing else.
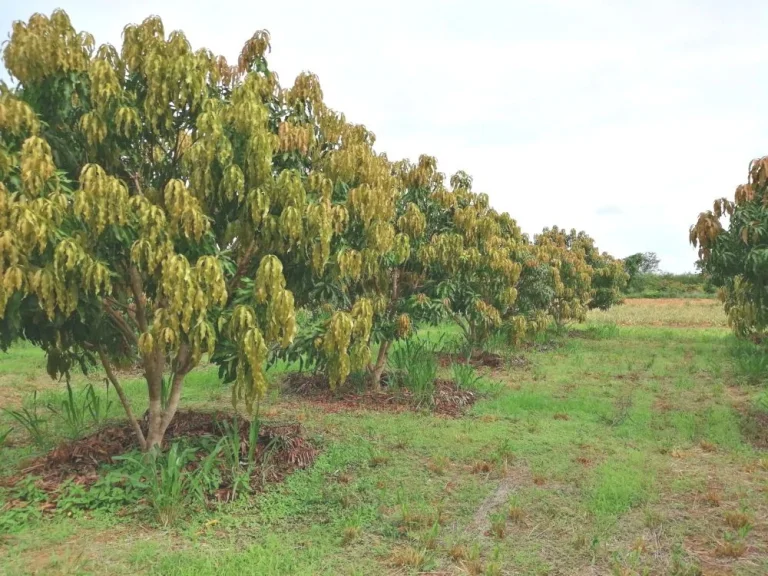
(123, 400)
(155, 420)
(381, 361)
(160, 417)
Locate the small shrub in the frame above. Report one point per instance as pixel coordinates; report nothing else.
(97, 408)
(171, 488)
(415, 368)
(350, 534)
(457, 552)
(73, 412)
(736, 520)
(496, 343)
(498, 526)
(431, 537)
(167, 483)
(32, 422)
(473, 564)
(730, 549)
(464, 376)
(240, 453)
(712, 498)
(504, 453)
(408, 557)
(515, 512)
(750, 361)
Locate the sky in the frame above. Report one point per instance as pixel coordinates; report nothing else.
(622, 118)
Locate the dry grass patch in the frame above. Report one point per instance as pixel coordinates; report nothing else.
(674, 312)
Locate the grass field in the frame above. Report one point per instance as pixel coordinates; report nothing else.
(676, 312)
(631, 446)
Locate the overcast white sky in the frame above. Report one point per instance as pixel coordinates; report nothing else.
(622, 118)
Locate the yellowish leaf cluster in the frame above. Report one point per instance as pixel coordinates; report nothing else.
(101, 200)
(17, 117)
(294, 137)
(412, 222)
(44, 46)
(335, 343)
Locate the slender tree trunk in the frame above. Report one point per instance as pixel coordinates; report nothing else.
(155, 390)
(381, 361)
(123, 400)
(160, 417)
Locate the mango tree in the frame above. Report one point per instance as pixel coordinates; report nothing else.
(609, 277)
(571, 274)
(369, 284)
(144, 211)
(735, 256)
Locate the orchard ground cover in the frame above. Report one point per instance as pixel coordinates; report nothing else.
(680, 312)
(622, 447)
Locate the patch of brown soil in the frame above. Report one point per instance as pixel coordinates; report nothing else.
(79, 460)
(448, 399)
(543, 346)
(479, 359)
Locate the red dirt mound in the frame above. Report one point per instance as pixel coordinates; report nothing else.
(478, 359)
(448, 399)
(79, 460)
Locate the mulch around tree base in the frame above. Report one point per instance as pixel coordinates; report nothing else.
(79, 460)
(448, 399)
(479, 359)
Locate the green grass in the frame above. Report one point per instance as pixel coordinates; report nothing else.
(613, 445)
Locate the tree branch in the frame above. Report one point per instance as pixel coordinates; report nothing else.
(183, 365)
(135, 178)
(126, 309)
(138, 296)
(121, 323)
(123, 399)
(456, 318)
(242, 266)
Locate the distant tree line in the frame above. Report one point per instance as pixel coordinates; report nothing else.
(647, 280)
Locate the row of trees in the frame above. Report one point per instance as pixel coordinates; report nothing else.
(158, 204)
(735, 256)
(648, 281)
